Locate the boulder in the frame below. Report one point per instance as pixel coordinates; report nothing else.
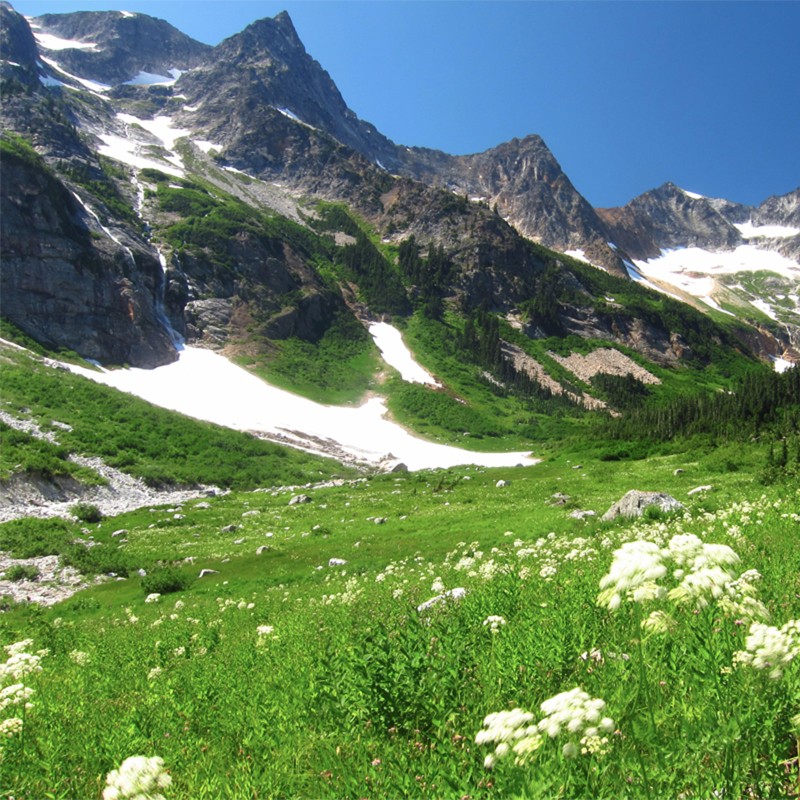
(635, 502)
(299, 498)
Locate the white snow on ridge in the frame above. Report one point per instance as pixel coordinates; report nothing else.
(50, 42)
(397, 355)
(750, 231)
(693, 195)
(207, 386)
(160, 127)
(671, 264)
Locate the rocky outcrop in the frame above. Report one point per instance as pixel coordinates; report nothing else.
(70, 283)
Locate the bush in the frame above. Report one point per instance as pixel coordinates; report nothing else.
(87, 512)
(30, 536)
(164, 581)
(22, 572)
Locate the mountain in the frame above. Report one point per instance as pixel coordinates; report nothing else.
(229, 196)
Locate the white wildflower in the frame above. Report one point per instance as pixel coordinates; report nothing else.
(139, 778)
(154, 673)
(16, 695)
(18, 647)
(635, 564)
(80, 657)
(154, 597)
(770, 648)
(20, 664)
(494, 622)
(437, 586)
(10, 727)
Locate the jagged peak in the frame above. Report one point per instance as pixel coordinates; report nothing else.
(276, 33)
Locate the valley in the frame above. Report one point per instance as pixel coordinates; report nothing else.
(311, 446)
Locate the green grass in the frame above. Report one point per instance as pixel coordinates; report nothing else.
(338, 369)
(353, 692)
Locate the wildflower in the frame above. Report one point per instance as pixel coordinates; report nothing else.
(10, 727)
(635, 565)
(504, 727)
(154, 597)
(494, 622)
(437, 586)
(16, 695)
(179, 604)
(179, 651)
(138, 777)
(768, 647)
(20, 664)
(18, 647)
(154, 673)
(265, 630)
(79, 657)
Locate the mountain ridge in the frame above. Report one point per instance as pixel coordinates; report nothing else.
(259, 104)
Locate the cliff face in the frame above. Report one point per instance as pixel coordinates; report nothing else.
(67, 283)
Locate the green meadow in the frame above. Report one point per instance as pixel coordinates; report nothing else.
(316, 661)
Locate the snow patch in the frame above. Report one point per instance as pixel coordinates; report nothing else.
(206, 146)
(751, 231)
(781, 364)
(693, 195)
(50, 42)
(764, 307)
(93, 86)
(128, 152)
(579, 254)
(207, 386)
(151, 79)
(397, 355)
(160, 127)
(46, 80)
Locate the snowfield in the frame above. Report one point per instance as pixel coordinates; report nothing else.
(205, 385)
(397, 355)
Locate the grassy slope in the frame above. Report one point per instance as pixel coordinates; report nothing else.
(157, 445)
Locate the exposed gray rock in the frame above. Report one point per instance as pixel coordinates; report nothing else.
(698, 489)
(206, 572)
(298, 499)
(635, 502)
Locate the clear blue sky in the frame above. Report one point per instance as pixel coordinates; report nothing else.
(627, 95)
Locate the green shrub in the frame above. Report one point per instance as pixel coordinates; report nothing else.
(165, 580)
(87, 512)
(22, 572)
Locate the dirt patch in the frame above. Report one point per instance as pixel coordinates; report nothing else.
(604, 360)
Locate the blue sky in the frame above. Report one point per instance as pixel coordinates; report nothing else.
(627, 95)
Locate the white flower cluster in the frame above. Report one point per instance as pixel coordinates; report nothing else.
(138, 778)
(16, 695)
(494, 622)
(10, 727)
(79, 657)
(154, 597)
(770, 648)
(704, 573)
(574, 713)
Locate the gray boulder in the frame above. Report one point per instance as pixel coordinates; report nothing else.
(635, 502)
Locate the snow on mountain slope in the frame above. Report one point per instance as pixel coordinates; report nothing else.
(207, 386)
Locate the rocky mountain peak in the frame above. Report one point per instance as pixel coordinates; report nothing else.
(669, 217)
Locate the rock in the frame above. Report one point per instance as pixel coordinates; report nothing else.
(264, 548)
(501, 483)
(698, 489)
(238, 541)
(120, 532)
(452, 594)
(678, 471)
(336, 562)
(581, 514)
(205, 572)
(379, 520)
(253, 513)
(230, 528)
(560, 499)
(298, 499)
(635, 502)
(203, 505)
